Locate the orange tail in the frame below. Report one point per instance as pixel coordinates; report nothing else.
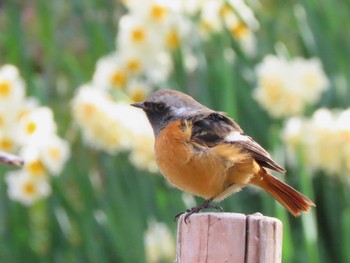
(290, 198)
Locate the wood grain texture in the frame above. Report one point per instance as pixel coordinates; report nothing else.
(229, 237)
(264, 239)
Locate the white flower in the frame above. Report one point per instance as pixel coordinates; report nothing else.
(159, 243)
(311, 79)
(240, 30)
(156, 12)
(191, 7)
(160, 70)
(54, 153)
(324, 140)
(133, 62)
(234, 15)
(33, 164)
(138, 90)
(115, 126)
(142, 147)
(42, 150)
(12, 89)
(93, 110)
(27, 105)
(272, 91)
(143, 48)
(125, 117)
(110, 73)
(191, 62)
(26, 189)
(30, 130)
(36, 125)
(8, 140)
(292, 133)
(105, 124)
(142, 154)
(284, 87)
(210, 17)
(135, 33)
(245, 13)
(342, 127)
(8, 115)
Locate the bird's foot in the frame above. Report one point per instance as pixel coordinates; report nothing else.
(197, 209)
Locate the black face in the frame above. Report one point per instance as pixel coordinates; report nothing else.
(156, 107)
(158, 115)
(163, 106)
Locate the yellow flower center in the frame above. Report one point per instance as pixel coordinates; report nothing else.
(31, 127)
(119, 78)
(29, 188)
(225, 10)
(158, 12)
(2, 122)
(54, 153)
(273, 87)
(5, 89)
(239, 30)
(138, 35)
(6, 144)
(206, 26)
(133, 65)
(88, 109)
(36, 168)
(344, 135)
(173, 40)
(138, 95)
(292, 103)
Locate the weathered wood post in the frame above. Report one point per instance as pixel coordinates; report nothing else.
(229, 237)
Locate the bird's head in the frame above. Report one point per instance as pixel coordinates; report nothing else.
(164, 106)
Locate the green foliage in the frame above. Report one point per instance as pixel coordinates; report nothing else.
(100, 205)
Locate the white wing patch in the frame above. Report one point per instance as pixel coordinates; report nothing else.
(235, 137)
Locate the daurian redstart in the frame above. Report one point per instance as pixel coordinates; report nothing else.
(205, 153)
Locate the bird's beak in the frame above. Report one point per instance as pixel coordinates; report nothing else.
(140, 105)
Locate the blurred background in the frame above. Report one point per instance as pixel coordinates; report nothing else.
(90, 190)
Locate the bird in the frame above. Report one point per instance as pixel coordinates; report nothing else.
(206, 153)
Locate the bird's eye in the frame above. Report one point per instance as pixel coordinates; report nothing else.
(160, 107)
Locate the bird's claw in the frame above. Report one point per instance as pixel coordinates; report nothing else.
(181, 213)
(216, 207)
(197, 209)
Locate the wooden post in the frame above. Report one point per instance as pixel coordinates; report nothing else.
(229, 237)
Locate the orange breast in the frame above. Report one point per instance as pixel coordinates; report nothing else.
(204, 172)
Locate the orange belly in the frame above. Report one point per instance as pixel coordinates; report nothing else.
(207, 172)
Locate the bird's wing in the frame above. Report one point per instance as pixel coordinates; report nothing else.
(213, 128)
(209, 129)
(257, 152)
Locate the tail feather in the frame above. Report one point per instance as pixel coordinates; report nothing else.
(295, 202)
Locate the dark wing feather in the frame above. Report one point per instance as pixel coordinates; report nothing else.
(260, 154)
(210, 129)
